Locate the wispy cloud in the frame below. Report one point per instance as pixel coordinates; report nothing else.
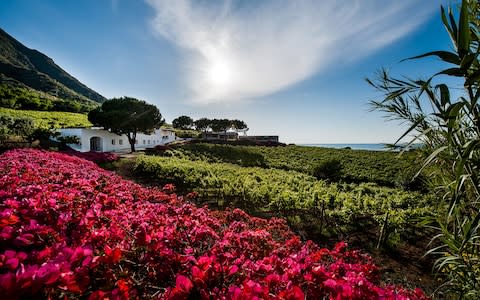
(243, 50)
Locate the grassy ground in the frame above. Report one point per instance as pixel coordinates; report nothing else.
(47, 119)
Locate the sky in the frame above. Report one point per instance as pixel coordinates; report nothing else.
(294, 68)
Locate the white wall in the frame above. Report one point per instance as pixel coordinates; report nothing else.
(113, 142)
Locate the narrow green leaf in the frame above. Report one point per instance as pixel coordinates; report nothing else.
(467, 62)
(430, 158)
(410, 129)
(453, 36)
(446, 56)
(452, 72)
(444, 94)
(464, 37)
(453, 23)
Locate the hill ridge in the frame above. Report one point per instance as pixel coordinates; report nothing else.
(38, 71)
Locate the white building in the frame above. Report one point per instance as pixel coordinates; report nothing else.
(99, 140)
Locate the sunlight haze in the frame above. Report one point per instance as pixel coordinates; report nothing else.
(290, 68)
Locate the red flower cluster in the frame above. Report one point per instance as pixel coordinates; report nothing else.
(96, 157)
(69, 229)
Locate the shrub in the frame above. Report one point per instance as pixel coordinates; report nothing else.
(408, 181)
(329, 169)
(96, 157)
(69, 229)
(449, 130)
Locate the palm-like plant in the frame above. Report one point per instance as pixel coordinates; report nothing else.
(449, 129)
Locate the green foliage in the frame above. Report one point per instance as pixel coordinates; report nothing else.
(260, 190)
(238, 125)
(12, 129)
(183, 122)
(182, 133)
(30, 68)
(202, 124)
(43, 135)
(450, 130)
(127, 116)
(381, 167)
(219, 125)
(6, 123)
(49, 119)
(16, 126)
(409, 180)
(71, 139)
(29, 99)
(330, 170)
(239, 155)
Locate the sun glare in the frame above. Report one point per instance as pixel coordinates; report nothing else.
(219, 74)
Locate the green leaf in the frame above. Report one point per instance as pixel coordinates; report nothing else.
(464, 37)
(430, 158)
(452, 72)
(452, 113)
(467, 61)
(473, 78)
(410, 129)
(453, 24)
(453, 36)
(446, 56)
(444, 94)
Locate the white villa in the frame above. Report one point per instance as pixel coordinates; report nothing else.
(99, 140)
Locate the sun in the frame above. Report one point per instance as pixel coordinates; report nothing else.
(219, 73)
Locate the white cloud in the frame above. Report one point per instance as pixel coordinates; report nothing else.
(243, 50)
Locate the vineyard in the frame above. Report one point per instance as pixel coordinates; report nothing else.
(381, 167)
(333, 207)
(47, 119)
(71, 230)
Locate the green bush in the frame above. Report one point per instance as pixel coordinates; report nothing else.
(15, 127)
(409, 181)
(328, 170)
(448, 125)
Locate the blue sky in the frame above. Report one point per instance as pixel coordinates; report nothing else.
(291, 68)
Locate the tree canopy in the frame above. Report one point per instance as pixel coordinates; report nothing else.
(218, 125)
(127, 116)
(202, 124)
(183, 122)
(238, 125)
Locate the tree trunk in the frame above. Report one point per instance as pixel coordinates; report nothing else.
(131, 139)
(132, 146)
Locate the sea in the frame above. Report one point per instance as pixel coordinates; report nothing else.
(371, 147)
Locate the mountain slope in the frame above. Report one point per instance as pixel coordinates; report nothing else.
(31, 68)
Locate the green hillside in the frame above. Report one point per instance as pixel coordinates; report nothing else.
(22, 67)
(18, 96)
(47, 119)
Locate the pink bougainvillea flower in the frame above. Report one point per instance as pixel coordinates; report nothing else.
(69, 229)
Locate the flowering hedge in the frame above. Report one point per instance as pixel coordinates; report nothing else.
(70, 229)
(96, 157)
